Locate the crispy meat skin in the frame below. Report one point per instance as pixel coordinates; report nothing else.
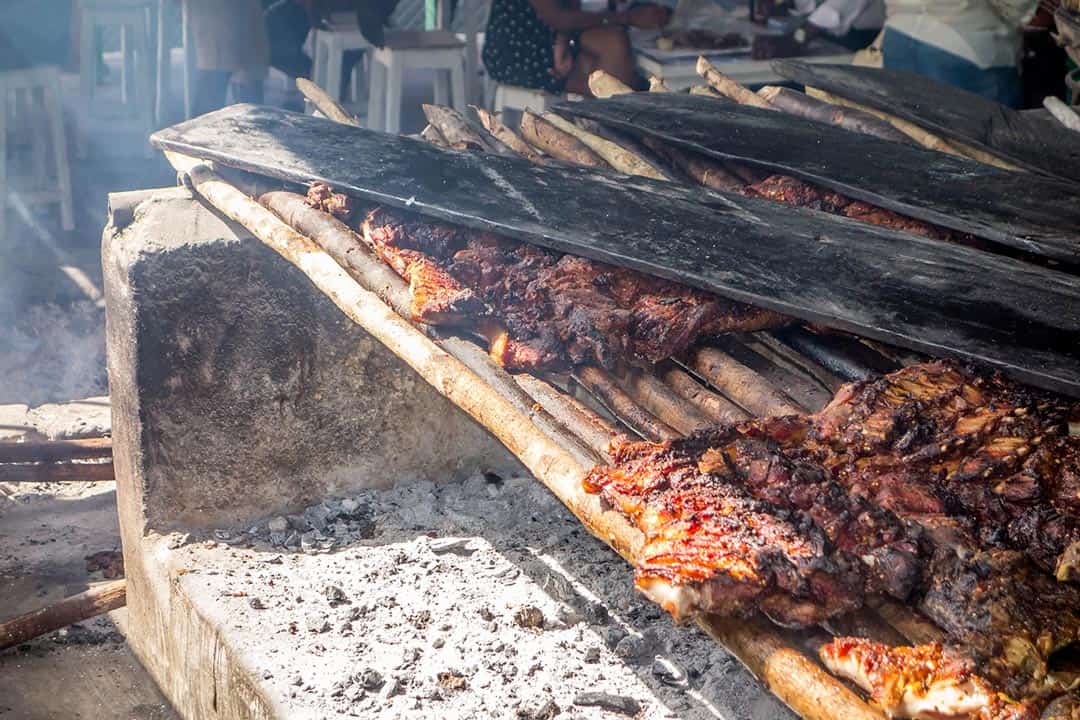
(711, 547)
(924, 681)
(321, 197)
(556, 309)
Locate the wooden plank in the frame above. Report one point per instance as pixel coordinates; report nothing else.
(1023, 211)
(906, 290)
(1030, 141)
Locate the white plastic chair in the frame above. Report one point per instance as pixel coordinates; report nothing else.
(438, 50)
(30, 81)
(137, 21)
(515, 97)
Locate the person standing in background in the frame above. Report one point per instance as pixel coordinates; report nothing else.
(231, 50)
(972, 44)
(851, 23)
(553, 45)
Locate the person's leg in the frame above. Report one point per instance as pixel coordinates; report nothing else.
(210, 88)
(603, 48)
(247, 86)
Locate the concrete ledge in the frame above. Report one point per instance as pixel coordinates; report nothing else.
(239, 392)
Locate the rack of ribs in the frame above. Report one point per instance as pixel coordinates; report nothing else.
(837, 474)
(710, 547)
(542, 310)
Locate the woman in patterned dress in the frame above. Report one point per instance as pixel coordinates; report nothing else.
(553, 45)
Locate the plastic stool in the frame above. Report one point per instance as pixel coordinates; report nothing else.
(29, 81)
(438, 50)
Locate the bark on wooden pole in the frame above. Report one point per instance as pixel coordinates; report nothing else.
(56, 450)
(325, 104)
(730, 88)
(741, 384)
(716, 406)
(95, 601)
(57, 472)
(614, 398)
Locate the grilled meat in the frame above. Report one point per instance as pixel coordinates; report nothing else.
(436, 296)
(711, 547)
(1007, 613)
(889, 550)
(553, 310)
(937, 439)
(924, 681)
(790, 191)
(321, 197)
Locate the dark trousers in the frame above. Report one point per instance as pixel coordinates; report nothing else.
(903, 52)
(212, 89)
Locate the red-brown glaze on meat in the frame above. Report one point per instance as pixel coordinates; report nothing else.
(558, 310)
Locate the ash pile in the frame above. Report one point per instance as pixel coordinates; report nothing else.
(484, 598)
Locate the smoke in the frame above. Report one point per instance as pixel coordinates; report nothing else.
(53, 353)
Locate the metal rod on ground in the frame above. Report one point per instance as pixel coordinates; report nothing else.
(740, 383)
(56, 450)
(325, 104)
(806, 687)
(95, 601)
(57, 472)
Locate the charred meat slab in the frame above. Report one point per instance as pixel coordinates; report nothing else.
(547, 310)
(939, 439)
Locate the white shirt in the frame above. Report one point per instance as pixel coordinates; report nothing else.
(837, 17)
(971, 29)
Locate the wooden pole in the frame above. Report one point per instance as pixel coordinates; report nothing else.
(604, 85)
(615, 155)
(57, 472)
(558, 143)
(326, 104)
(730, 88)
(802, 105)
(740, 383)
(664, 403)
(920, 135)
(95, 601)
(615, 399)
(56, 450)
(716, 406)
(507, 136)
